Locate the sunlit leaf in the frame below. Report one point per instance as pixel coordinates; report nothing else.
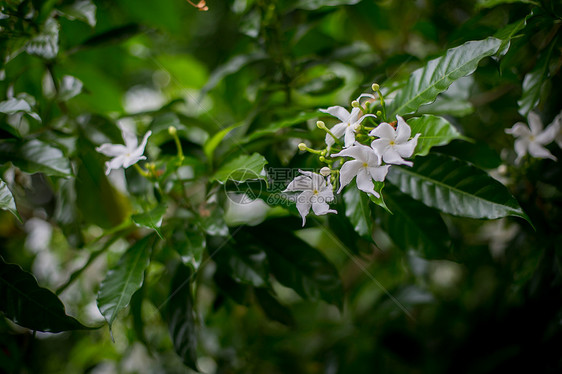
(31, 306)
(426, 83)
(435, 131)
(455, 187)
(358, 211)
(190, 245)
(36, 156)
(242, 168)
(533, 82)
(181, 321)
(7, 201)
(212, 143)
(124, 279)
(151, 219)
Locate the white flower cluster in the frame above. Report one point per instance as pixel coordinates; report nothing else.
(390, 144)
(532, 139)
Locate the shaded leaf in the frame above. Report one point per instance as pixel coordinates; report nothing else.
(181, 321)
(493, 3)
(83, 10)
(508, 32)
(533, 82)
(7, 201)
(426, 83)
(244, 263)
(151, 219)
(31, 306)
(124, 279)
(36, 156)
(378, 186)
(414, 226)
(477, 153)
(213, 142)
(190, 245)
(358, 211)
(284, 123)
(242, 168)
(434, 131)
(273, 308)
(66, 212)
(455, 187)
(322, 85)
(316, 4)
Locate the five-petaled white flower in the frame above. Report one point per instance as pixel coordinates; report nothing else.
(532, 139)
(366, 166)
(124, 155)
(316, 194)
(392, 144)
(350, 123)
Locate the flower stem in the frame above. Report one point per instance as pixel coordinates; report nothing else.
(141, 171)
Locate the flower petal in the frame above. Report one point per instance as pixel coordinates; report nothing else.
(349, 138)
(115, 163)
(535, 123)
(403, 130)
(337, 111)
(363, 117)
(338, 130)
(359, 152)
(407, 149)
(519, 130)
(129, 161)
(320, 207)
(300, 183)
(521, 146)
(304, 204)
(391, 156)
(365, 182)
(318, 181)
(129, 137)
(384, 131)
(112, 150)
(548, 134)
(348, 171)
(378, 173)
(538, 151)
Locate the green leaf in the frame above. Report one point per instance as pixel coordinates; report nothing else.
(414, 226)
(181, 321)
(455, 187)
(7, 201)
(492, 3)
(378, 186)
(190, 245)
(36, 156)
(31, 306)
(272, 308)
(322, 85)
(46, 43)
(533, 82)
(358, 211)
(316, 4)
(213, 142)
(124, 279)
(434, 131)
(151, 219)
(242, 168)
(244, 263)
(284, 123)
(479, 154)
(508, 32)
(426, 83)
(297, 265)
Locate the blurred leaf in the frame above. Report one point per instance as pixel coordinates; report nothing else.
(190, 245)
(31, 306)
(533, 82)
(426, 83)
(413, 226)
(181, 321)
(7, 201)
(445, 105)
(455, 187)
(358, 211)
(231, 66)
(46, 43)
(493, 3)
(244, 263)
(83, 10)
(124, 279)
(70, 87)
(36, 156)
(316, 4)
(242, 168)
(151, 219)
(212, 221)
(284, 123)
(434, 131)
(212, 143)
(322, 85)
(273, 308)
(508, 32)
(477, 153)
(66, 212)
(112, 36)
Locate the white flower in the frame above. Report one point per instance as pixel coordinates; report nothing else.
(532, 139)
(392, 144)
(124, 155)
(316, 194)
(558, 124)
(366, 166)
(350, 123)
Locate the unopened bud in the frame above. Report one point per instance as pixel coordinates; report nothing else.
(321, 125)
(355, 104)
(325, 171)
(379, 113)
(172, 131)
(322, 159)
(302, 147)
(375, 87)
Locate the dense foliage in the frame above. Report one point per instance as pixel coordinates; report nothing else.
(251, 186)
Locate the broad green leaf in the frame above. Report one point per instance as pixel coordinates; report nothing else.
(492, 3)
(508, 32)
(378, 186)
(46, 43)
(242, 168)
(7, 201)
(244, 263)
(36, 156)
(445, 105)
(479, 154)
(151, 219)
(455, 187)
(181, 320)
(190, 245)
(31, 306)
(124, 279)
(66, 212)
(272, 308)
(434, 131)
(358, 211)
(212, 143)
(297, 265)
(533, 82)
(414, 226)
(426, 83)
(284, 123)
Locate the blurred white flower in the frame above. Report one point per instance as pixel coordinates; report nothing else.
(393, 145)
(350, 123)
(124, 155)
(532, 139)
(366, 167)
(558, 124)
(316, 194)
(242, 210)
